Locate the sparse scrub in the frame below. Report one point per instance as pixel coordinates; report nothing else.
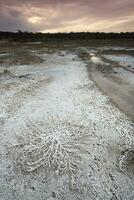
(56, 146)
(6, 73)
(126, 162)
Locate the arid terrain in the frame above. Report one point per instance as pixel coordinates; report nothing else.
(66, 122)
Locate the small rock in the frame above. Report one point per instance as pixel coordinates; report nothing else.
(53, 194)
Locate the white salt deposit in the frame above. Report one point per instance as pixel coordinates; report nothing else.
(97, 60)
(61, 117)
(124, 60)
(4, 54)
(127, 76)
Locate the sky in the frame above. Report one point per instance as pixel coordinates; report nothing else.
(67, 15)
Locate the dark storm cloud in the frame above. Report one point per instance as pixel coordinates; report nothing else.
(67, 15)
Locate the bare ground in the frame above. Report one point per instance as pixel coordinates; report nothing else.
(61, 137)
(115, 79)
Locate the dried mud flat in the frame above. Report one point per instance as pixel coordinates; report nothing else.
(61, 137)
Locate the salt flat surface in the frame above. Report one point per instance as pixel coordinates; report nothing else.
(127, 76)
(4, 54)
(81, 134)
(116, 48)
(124, 60)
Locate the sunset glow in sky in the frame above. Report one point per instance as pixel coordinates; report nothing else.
(67, 15)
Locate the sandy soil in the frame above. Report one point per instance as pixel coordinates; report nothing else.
(61, 137)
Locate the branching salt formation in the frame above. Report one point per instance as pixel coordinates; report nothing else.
(54, 145)
(126, 160)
